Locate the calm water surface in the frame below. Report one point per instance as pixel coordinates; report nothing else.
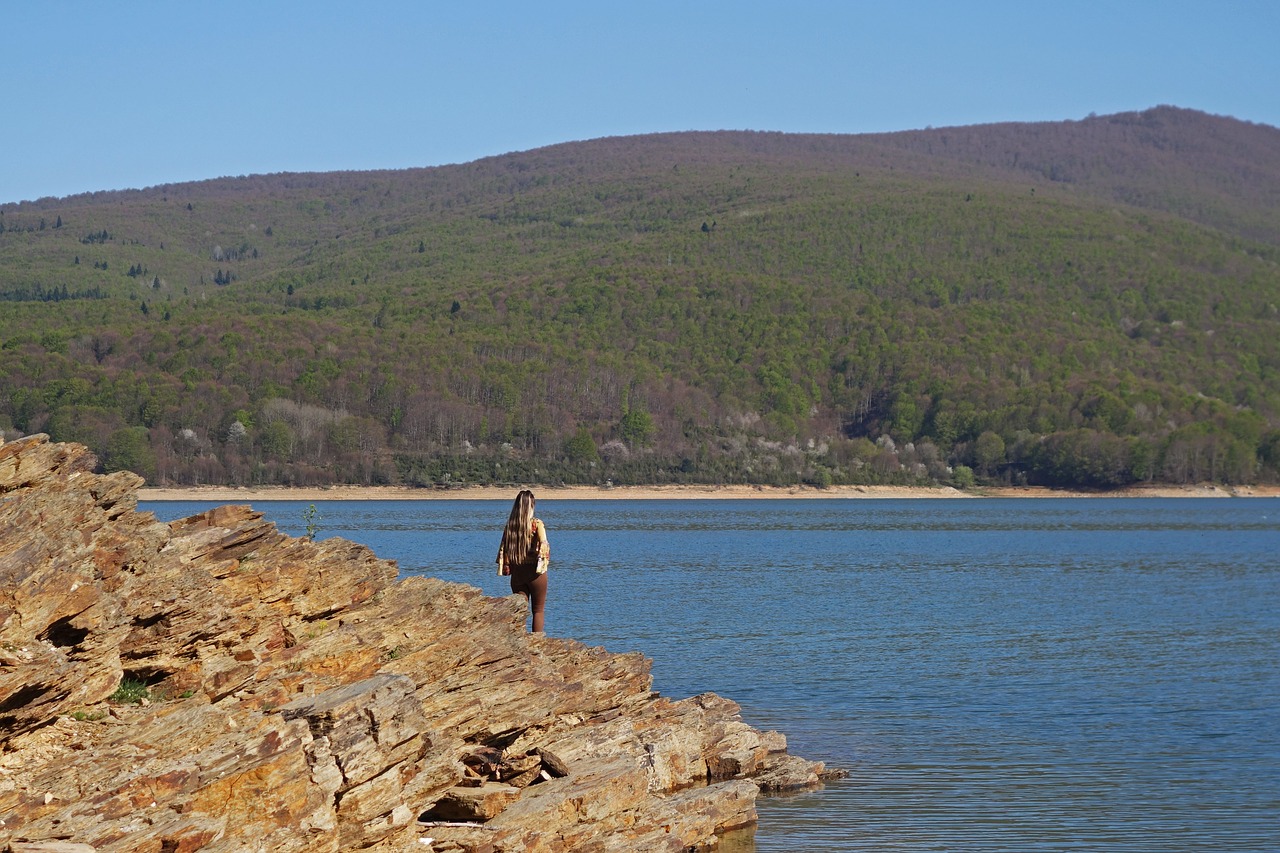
(996, 675)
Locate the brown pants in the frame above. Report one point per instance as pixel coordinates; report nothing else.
(533, 586)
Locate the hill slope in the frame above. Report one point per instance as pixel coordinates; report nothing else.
(1216, 171)
(1085, 303)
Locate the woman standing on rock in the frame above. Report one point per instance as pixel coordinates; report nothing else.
(525, 554)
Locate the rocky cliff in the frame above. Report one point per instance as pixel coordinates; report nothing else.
(213, 684)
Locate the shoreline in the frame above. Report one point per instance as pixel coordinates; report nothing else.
(238, 494)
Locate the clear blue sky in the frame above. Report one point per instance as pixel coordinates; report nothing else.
(103, 96)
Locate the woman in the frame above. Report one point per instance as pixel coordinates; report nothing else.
(524, 555)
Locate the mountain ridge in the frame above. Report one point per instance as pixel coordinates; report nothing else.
(1252, 169)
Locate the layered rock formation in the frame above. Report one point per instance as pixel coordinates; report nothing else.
(296, 696)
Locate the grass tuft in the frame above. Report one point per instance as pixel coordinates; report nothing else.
(131, 692)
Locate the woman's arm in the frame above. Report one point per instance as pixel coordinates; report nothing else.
(544, 547)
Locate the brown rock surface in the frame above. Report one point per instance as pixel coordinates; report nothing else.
(303, 699)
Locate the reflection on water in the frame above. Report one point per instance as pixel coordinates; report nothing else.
(997, 675)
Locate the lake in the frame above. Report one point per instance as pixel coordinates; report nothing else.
(997, 675)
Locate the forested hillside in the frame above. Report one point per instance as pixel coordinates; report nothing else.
(1089, 303)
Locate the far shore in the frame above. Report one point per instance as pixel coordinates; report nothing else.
(232, 494)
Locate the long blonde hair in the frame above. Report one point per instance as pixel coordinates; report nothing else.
(517, 538)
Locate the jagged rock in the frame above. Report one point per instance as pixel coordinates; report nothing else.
(303, 699)
(473, 803)
(551, 763)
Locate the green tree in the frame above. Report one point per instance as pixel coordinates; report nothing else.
(988, 452)
(1083, 457)
(905, 418)
(581, 448)
(278, 440)
(129, 449)
(637, 428)
(1269, 451)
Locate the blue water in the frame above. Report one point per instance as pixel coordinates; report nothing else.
(996, 675)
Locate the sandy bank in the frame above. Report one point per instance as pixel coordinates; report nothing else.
(227, 494)
(506, 493)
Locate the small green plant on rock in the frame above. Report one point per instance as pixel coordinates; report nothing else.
(312, 517)
(131, 692)
(316, 629)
